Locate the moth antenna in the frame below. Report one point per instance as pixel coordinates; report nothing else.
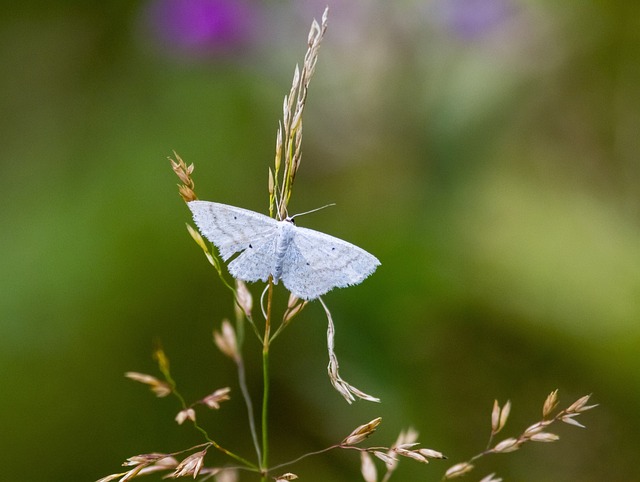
(313, 210)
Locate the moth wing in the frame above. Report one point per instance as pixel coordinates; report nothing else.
(232, 229)
(317, 263)
(256, 261)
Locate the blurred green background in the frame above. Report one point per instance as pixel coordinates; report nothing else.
(484, 150)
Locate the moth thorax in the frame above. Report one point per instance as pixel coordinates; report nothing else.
(286, 232)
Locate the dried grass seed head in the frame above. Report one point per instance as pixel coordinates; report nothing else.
(580, 405)
(535, 428)
(162, 464)
(294, 306)
(226, 340)
(244, 298)
(286, 477)
(544, 437)
(499, 416)
(507, 445)
(220, 395)
(495, 416)
(504, 415)
(161, 358)
(432, 454)
(458, 470)
(388, 458)
(491, 478)
(411, 454)
(186, 414)
(368, 468)
(550, 404)
(145, 459)
(568, 419)
(289, 134)
(186, 189)
(362, 432)
(349, 392)
(159, 387)
(190, 466)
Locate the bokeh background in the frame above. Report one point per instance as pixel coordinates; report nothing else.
(484, 150)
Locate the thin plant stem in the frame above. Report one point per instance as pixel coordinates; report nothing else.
(265, 401)
(265, 377)
(227, 452)
(242, 380)
(309, 454)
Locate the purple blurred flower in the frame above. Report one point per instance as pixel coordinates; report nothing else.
(474, 18)
(201, 27)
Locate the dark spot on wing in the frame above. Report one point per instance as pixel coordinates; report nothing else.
(251, 246)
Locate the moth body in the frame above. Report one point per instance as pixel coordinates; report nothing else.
(286, 232)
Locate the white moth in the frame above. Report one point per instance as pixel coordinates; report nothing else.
(308, 262)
